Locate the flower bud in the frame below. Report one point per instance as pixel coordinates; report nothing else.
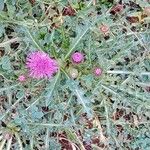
(21, 78)
(97, 71)
(77, 57)
(104, 29)
(73, 73)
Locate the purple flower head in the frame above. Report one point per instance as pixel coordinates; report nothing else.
(97, 71)
(21, 78)
(77, 57)
(40, 65)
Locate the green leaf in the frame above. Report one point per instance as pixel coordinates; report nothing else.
(36, 113)
(20, 94)
(58, 116)
(11, 11)
(82, 99)
(1, 29)
(1, 5)
(50, 89)
(6, 65)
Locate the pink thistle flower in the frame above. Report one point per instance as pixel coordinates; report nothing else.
(77, 57)
(97, 71)
(21, 78)
(104, 29)
(40, 65)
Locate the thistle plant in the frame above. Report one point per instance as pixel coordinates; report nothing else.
(74, 75)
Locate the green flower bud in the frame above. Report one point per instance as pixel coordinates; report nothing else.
(73, 73)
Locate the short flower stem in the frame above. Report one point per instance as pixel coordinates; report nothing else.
(61, 69)
(78, 40)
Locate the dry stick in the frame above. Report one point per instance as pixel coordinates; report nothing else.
(31, 142)
(9, 142)
(47, 15)
(1, 136)
(94, 2)
(126, 72)
(2, 144)
(10, 41)
(46, 124)
(19, 141)
(80, 142)
(48, 3)
(102, 137)
(47, 139)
